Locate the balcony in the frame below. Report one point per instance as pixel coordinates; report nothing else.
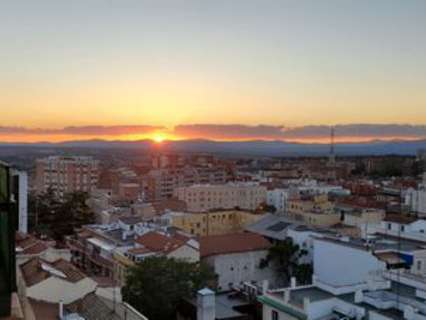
(407, 278)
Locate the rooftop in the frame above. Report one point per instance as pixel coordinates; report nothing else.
(399, 218)
(232, 243)
(157, 242)
(130, 220)
(37, 270)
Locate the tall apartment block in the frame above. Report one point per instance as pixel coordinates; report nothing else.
(65, 175)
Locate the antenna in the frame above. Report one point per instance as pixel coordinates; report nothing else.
(332, 156)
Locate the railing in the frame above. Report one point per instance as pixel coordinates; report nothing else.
(99, 260)
(406, 277)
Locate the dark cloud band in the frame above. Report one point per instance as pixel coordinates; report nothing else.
(234, 131)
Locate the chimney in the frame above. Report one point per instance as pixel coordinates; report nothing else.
(314, 279)
(286, 296)
(306, 303)
(359, 296)
(265, 286)
(206, 305)
(293, 282)
(61, 309)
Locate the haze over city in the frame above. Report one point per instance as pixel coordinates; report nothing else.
(219, 70)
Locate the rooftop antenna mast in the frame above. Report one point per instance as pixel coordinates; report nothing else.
(332, 142)
(332, 155)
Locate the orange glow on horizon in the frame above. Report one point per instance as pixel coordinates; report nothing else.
(160, 137)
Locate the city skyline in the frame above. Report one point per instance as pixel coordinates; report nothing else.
(173, 66)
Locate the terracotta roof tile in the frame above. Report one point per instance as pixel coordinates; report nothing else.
(169, 204)
(158, 242)
(44, 310)
(34, 273)
(140, 250)
(399, 218)
(232, 243)
(37, 248)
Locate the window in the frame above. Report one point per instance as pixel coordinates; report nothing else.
(275, 315)
(419, 265)
(389, 226)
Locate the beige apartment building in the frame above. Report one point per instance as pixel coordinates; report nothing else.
(318, 219)
(159, 184)
(204, 198)
(65, 175)
(213, 223)
(312, 203)
(316, 211)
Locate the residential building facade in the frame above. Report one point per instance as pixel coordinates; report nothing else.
(236, 258)
(64, 175)
(212, 223)
(203, 198)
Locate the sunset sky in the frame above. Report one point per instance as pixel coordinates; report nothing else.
(224, 70)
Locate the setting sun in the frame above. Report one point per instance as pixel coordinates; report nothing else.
(158, 138)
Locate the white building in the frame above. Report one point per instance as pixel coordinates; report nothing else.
(416, 199)
(313, 187)
(65, 175)
(404, 227)
(236, 258)
(353, 280)
(22, 183)
(279, 199)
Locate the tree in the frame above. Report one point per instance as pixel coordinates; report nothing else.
(285, 257)
(56, 218)
(270, 208)
(156, 285)
(303, 273)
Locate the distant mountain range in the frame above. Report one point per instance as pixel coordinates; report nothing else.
(245, 148)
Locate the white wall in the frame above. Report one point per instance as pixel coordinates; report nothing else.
(187, 253)
(304, 239)
(414, 231)
(267, 314)
(23, 200)
(278, 198)
(240, 267)
(416, 200)
(342, 265)
(323, 308)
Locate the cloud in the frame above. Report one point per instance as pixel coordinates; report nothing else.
(231, 131)
(83, 130)
(359, 130)
(319, 133)
(312, 132)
